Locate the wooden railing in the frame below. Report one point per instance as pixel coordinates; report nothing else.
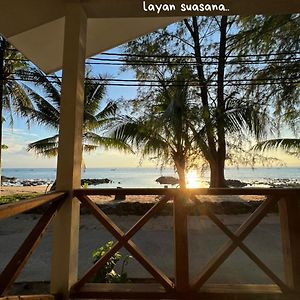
(288, 201)
(181, 286)
(17, 263)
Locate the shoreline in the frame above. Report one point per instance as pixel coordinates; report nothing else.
(12, 190)
(147, 177)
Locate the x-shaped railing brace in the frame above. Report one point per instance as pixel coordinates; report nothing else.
(236, 240)
(124, 241)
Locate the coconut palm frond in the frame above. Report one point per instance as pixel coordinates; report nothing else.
(127, 131)
(246, 116)
(47, 147)
(105, 142)
(51, 87)
(94, 95)
(88, 149)
(90, 121)
(163, 130)
(285, 144)
(108, 111)
(46, 111)
(16, 100)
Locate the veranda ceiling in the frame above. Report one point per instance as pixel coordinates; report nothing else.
(36, 27)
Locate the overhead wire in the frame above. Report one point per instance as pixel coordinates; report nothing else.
(132, 82)
(29, 73)
(136, 83)
(185, 56)
(121, 62)
(235, 59)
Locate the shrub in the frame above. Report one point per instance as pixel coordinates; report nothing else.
(107, 273)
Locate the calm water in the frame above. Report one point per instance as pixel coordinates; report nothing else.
(145, 177)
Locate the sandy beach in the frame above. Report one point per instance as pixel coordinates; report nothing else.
(10, 190)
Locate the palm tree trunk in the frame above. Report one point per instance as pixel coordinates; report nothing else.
(1, 100)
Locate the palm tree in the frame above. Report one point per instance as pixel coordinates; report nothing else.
(13, 97)
(291, 146)
(165, 129)
(46, 112)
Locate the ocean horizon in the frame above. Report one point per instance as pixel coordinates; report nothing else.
(145, 177)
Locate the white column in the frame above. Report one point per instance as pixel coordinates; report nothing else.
(66, 226)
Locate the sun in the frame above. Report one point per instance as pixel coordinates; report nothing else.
(192, 179)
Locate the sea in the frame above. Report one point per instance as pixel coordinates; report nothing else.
(146, 177)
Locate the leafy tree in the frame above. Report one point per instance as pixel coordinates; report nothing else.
(228, 115)
(46, 112)
(280, 35)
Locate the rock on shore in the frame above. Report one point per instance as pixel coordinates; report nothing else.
(13, 181)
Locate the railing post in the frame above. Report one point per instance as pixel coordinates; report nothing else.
(181, 244)
(66, 226)
(289, 210)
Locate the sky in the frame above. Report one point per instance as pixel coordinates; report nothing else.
(19, 136)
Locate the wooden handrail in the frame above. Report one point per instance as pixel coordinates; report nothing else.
(11, 209)
(201, 191)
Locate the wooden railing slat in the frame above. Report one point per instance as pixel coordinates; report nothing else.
(181, 244)
(201, 191)
(289, 212)
(28, 297)
(11, 209)
(155, 291)
(16, 264)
